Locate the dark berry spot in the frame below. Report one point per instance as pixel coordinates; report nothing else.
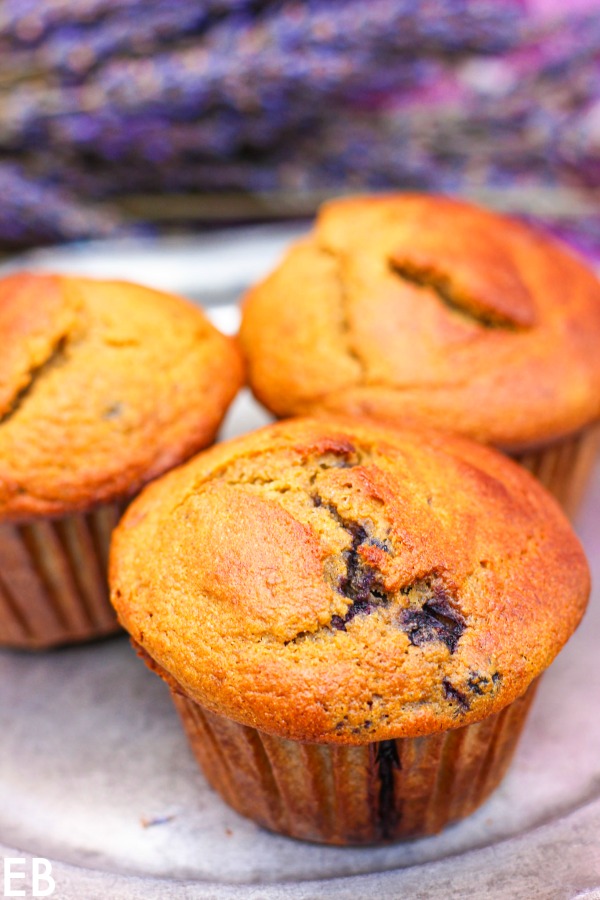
(360, 583)
(387, 752)
(381, 545)
(478, 683)
(113, 411)
(360, 606)
(435, 621)
(357, 582)
(452, 694)
(483, 684)
(338, 623)
(386, 756)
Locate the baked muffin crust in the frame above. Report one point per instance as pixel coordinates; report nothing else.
(103, 386)
(422, 307)
(330, 581)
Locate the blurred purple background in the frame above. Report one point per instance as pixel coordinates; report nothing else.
(121, 116)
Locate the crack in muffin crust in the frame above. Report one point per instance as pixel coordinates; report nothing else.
(450, 294)
(345, 323)
(424, 608)
(361, 582)
(35, 374)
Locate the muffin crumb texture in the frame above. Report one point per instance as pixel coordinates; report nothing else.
(328, 581)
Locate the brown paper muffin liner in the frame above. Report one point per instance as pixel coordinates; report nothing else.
(368, 794)
(565, 466)
(53, 579)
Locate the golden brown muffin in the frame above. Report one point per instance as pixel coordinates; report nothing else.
(329, 582)
(103, 386)
(425, 308)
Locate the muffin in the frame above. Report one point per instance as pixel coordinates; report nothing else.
(103, 386)
(409, 307)
(352, 620)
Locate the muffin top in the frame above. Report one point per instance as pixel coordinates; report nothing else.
(432, 309)
(103, 385)
(330, 581)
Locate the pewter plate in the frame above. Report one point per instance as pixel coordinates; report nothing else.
(96, 776)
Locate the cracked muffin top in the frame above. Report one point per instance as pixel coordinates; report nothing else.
(103, 386)
(432, 309)
(330, 581)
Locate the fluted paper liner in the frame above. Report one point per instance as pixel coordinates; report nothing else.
(53, 579)
(565, 466)
(367, 794)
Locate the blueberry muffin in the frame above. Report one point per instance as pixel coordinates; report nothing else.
(103, 386)
(410, 307)
(352, 620)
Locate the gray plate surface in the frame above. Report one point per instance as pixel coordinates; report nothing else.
(95, 773)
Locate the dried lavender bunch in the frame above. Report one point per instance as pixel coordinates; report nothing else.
(278, 95)
(29, 22)
(277, 64)
(492, 121)
(65, 48)
(34, 211)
